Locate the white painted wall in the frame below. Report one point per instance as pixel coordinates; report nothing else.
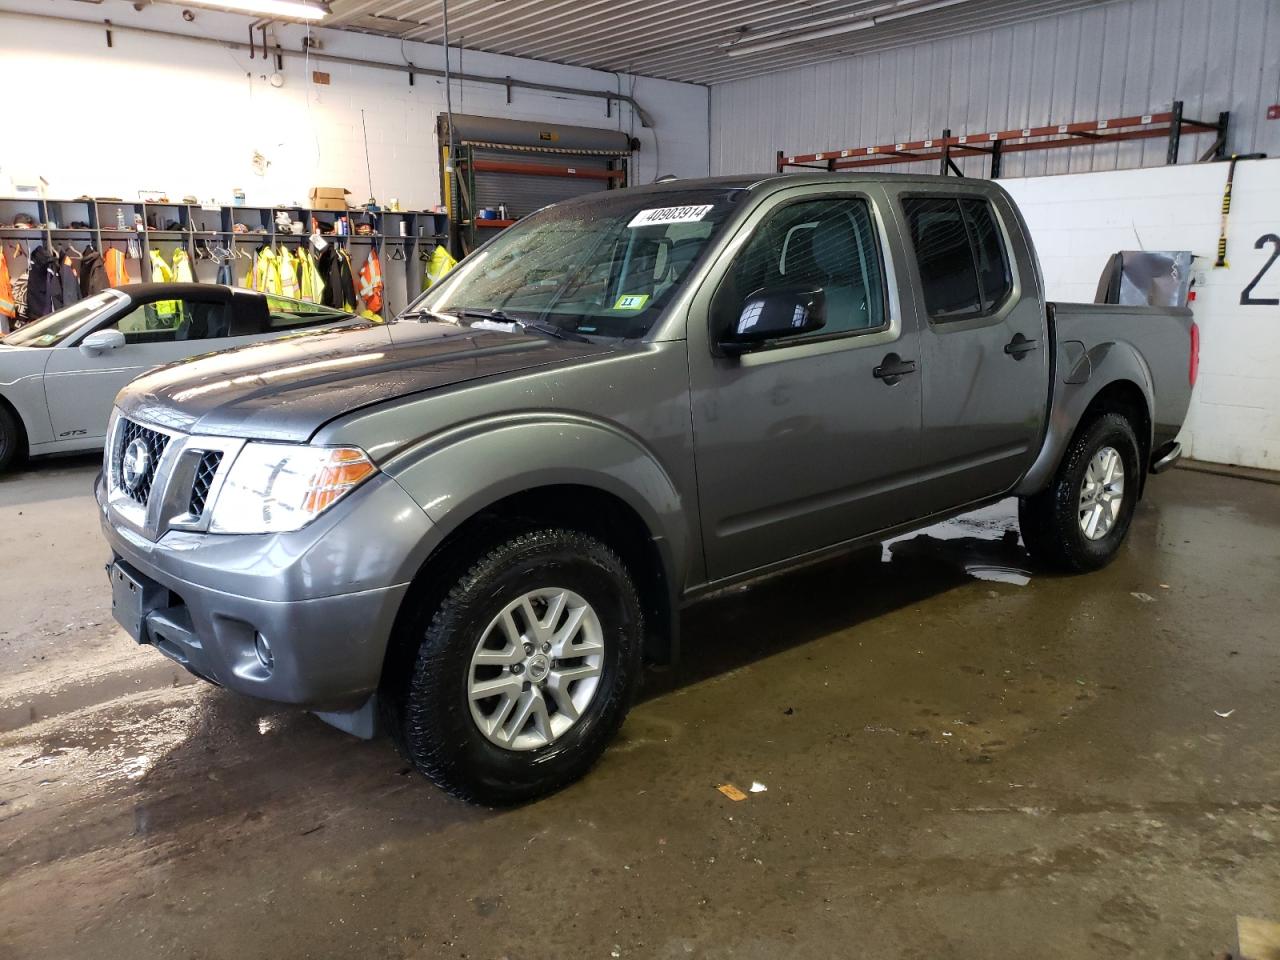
(1079, 220)
(185, 117)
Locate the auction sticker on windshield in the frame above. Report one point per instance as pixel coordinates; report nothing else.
(662, 215)
(631, 301)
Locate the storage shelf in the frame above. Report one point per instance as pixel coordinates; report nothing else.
(203, 224)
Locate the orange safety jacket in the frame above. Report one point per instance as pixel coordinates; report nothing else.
(117, 270)
(371, 283)
(7, 306)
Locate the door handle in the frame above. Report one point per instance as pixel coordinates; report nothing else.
(893, 368)
(1020, 346)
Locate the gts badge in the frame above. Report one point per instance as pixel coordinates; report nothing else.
(72, 433)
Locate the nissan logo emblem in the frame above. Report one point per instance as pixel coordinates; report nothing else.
(135, 464)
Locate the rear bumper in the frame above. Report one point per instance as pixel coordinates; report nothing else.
(1165, 456)
(324, 598)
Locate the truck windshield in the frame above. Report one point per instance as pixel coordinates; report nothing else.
(56, 327)
(604, 265)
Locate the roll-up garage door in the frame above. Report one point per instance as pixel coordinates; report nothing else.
(515, 167)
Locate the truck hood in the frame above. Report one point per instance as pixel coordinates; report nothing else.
(287, 389)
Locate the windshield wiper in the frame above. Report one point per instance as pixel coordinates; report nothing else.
(497, 316)
(424, 312)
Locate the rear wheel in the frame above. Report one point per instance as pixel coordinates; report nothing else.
(524, 671)
(1079, 521)
(12, 448)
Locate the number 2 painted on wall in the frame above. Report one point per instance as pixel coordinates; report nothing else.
(1247, 299)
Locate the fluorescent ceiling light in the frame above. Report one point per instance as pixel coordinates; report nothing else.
(895, 11)
(938, 5)
(291, 9)
(745, 49)
(756, 36)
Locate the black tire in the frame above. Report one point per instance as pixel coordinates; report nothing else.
(12, 447)
(437, 732)
(1050, 520)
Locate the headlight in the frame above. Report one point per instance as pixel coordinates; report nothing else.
(277, 487)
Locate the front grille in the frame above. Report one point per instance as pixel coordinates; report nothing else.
(155, 443)
(205, 473)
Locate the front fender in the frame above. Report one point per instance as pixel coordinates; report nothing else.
(458, 473)
(1076, 388)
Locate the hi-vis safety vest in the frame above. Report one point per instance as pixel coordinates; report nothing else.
(7, 307)
(441, 263)
(266, 272)
(117, 269)
(182, 267)
(166, 311)
(371, 283)
(312, 286)
(288, 274)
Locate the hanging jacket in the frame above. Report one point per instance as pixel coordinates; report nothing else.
(43, 283)
(335, 270)
(8, 309)
(441, 263)
(93, 273)
(310, 284)
(182, 267)
(113, 261)
(166, 311)
(288, 274)
(68, 280)
(266, 272)
(371, 283)
(225, 276)
(20, 297)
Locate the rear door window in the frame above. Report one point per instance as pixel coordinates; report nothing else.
(988, 248)
(964, 272)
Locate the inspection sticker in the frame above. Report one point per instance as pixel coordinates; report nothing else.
(660, 215)
(631, 301)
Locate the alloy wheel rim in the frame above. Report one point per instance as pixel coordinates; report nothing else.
(535, 669)
(1101, 493)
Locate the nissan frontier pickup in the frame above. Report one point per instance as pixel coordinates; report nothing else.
(475, 523)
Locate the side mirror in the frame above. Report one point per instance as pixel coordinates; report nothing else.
(772, 315)
(101, 341)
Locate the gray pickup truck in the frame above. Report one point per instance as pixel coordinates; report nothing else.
(476, 522)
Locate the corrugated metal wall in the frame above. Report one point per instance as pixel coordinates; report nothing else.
(1117, 59)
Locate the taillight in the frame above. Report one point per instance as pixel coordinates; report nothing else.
(1195, 354)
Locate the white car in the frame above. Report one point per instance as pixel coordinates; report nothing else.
(60, 374)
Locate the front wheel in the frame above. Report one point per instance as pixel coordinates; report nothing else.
(1079, 521)
(525, 670)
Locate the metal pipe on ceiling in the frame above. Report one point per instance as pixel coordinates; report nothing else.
(408, 68)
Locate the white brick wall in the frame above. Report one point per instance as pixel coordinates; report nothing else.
(1079, 220)
(185, 118)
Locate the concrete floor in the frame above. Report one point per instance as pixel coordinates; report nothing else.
(960, 761)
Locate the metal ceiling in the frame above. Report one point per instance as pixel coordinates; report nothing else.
(699, 41)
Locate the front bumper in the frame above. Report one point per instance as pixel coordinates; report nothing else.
(325, 598)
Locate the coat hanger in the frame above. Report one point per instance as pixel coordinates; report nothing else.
(397, 252)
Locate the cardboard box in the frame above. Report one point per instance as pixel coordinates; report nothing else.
(329, 198)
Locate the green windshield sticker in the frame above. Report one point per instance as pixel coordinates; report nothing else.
(631, 301)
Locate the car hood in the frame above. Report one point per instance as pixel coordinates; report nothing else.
(287, 389)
